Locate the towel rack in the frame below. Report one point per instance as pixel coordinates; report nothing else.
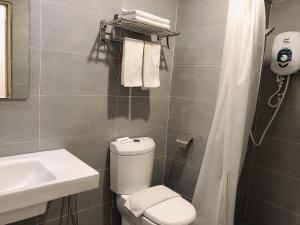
(133, 26)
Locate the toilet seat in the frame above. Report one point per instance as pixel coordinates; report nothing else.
(175, 211)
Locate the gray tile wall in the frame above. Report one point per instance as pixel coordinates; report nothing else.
(274, 185)
(198, 53)
(76, 101)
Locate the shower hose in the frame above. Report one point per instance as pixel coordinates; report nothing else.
(277, 105)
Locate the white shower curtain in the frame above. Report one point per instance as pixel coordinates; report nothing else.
(215, 193)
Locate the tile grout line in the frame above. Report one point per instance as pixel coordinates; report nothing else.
(170, 93)
(275, 205)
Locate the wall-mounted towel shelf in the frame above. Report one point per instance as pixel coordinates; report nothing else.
(133, 26)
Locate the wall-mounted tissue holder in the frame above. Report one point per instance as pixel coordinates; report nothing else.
(184, 142)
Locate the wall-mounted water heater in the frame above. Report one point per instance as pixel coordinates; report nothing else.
(285, 61)
(286, 53)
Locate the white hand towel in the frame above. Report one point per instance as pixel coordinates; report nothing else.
(151, 65)
(145, 15)
(132, 63)
(147, 21)
(139, 202)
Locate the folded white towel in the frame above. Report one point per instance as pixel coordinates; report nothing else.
(147, 21)
(145, 15)
(139, 202)
(132, 63)
(151, 65)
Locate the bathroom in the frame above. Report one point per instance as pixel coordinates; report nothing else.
(69, 95)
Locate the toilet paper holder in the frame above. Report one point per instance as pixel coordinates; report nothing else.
(184, 141)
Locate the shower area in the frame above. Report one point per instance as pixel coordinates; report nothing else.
(269, 188)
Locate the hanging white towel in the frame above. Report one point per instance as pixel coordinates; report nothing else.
(147, 21)
(145, 15)
(139, 202)
(132, 63)
(151, 65)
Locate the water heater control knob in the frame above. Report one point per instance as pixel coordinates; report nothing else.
(284, 58)
(286, 53)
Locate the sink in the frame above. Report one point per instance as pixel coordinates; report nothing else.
(29, 181)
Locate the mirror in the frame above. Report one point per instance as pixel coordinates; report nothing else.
(14, 49)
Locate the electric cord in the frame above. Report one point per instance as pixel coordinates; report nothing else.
(280, 98)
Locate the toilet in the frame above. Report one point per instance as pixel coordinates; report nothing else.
(131, 167)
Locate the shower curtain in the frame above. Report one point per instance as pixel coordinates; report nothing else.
(215, 193)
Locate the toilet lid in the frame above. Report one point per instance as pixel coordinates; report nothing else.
(175, 211)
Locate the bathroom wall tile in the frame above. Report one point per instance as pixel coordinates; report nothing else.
(276, 188)
(116, 218)
(268, 6)
(280, 156)
(243, 184)
(58, 221)
(18, 148)
(21, 19)
(92, 149)
(193, 155)
(181, 178)
(269, 86)
(20, 46)
(29, 221)
(285, 126)
(20, 81)
(22, 113)
(56, 209)
(98, 215)
(264, 213)
(98, 196)
(158, 171)
(196, 82)
(199, 47)
(68, 29)
(67, 116)
(34, 70)
(78, 76)
(98, 6)
(191, 116)
(240, 206)
(35, 23)
(157, 134)
(289, 10)
(138, 113)
(195, 14)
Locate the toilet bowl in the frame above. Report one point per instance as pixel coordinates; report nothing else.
(175, 211)
(131, 167)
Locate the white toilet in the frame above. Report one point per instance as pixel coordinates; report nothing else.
(131, 166)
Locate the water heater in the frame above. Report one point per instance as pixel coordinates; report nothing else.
(286, 53)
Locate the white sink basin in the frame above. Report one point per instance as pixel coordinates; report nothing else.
(28, 182)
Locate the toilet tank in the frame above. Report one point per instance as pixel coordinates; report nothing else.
(131, 165)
